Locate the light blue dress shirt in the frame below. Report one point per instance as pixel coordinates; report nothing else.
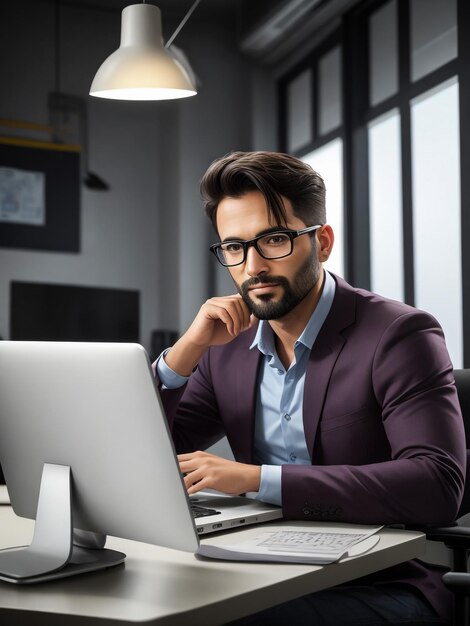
(279, 431)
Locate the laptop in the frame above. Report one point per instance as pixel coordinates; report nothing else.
(214, 512)
(95, 408)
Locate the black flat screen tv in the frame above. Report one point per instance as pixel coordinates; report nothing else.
(57, 312)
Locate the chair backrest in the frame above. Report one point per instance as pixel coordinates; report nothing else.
(462, 382)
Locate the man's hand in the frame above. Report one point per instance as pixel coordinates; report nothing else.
(218, 321)
(207, 471)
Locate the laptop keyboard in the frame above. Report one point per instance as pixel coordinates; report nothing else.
(202, 511)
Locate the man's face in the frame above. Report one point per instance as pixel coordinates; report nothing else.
(271, 288)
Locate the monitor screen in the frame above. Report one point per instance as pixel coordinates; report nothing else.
(56, 312)
(93, 408)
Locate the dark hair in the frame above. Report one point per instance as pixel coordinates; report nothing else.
(273, 174)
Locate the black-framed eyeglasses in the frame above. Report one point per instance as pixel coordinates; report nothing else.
(273, 245)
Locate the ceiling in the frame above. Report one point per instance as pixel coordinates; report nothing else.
(172, 8)
(268, 30)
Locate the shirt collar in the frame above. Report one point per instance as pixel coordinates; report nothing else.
(264, 338)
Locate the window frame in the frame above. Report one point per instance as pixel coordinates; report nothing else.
(311, 61)
(353, 37)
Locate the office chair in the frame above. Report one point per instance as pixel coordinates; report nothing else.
(457, 537)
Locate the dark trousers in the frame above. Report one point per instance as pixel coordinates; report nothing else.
(351, 606)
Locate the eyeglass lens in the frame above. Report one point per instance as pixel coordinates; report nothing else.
(271, 246)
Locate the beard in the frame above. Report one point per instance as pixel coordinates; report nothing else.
(294, 292)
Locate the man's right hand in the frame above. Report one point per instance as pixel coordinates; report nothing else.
(218, 322)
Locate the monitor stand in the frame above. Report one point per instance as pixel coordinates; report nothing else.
(56, 551)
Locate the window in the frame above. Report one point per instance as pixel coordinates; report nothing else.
(389, 110)
(316, 134)
(433, 35)
(436, 210)
(383, 53)
(329, 91)
(299, 116)
(328, 162)
(385, 206)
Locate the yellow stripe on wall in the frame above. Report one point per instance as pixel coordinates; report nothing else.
(43, 145)
(27, 125)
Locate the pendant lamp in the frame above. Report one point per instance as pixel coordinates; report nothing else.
(142, 68)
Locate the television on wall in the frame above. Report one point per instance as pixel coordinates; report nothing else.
(57, 312)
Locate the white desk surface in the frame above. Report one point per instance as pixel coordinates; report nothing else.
(167, 587)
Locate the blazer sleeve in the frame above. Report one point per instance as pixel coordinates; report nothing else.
(192, 411)
(422, 480)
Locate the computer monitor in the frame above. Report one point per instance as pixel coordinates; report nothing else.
(93, 408)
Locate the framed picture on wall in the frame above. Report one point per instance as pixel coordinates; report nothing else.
(39, 196)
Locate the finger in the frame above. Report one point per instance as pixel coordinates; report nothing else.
(241, 313)
(244, 313)
(193, 478)
(185, 456)
(199, 486)
(188, 466)
(248, 317)
(197, 454)
(233, 303)
(225, 315)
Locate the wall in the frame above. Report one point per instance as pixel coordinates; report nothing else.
(217, 122)
(148, 231)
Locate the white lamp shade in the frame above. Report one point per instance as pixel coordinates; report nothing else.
(142, 69)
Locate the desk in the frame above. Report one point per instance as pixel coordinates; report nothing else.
(170, 588)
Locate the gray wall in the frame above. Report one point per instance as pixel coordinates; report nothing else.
(148, 231)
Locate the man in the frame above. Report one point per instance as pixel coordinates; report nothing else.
(339, 405)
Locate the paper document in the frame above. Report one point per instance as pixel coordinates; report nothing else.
(314, 544)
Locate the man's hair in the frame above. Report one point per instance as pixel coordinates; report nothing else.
(273, 174)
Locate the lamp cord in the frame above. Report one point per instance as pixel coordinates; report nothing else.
(183, 22)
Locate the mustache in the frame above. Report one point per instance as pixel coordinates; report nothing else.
(265, 280)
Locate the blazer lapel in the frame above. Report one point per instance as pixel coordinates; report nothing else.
(323, 356)
(246, 386)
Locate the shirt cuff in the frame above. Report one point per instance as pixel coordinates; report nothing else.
(270, 484)
(169, 378)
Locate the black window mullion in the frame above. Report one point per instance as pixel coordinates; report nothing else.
(355, 151)
(406, 163)
(463, 21)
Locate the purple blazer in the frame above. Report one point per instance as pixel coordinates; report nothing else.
(381, 417)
